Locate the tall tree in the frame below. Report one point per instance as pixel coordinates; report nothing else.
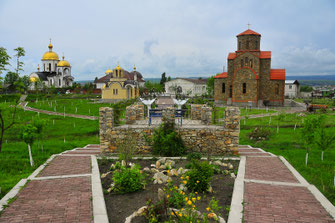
(163, 79)
(210, 86)
(11, 79)
(20, 52)
(4, 59)
(29, 134)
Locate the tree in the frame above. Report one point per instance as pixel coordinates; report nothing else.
(323, 139)
(280, 117)
(39, 124)
(306, 88)
(29, 134)
(20, 52)
(11, 78)
(308, 132)
(7, 113)
(210, 86)
(25, 80)
(4, 59)
(169, 78)
(163, 79)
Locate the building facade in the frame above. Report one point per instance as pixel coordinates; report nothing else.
(249, 79)
(186, 86)
(292, 88)
(54, 72)
(120, 84)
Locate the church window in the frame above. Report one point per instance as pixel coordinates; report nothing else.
(231, 91)
(241, 62)
(60, 83)
(246, 61)
(223, 88)
(251, 63)
(43, 67)
(239, 45)
(49, 66)
(256, 47)
(277, 89)
(244, 88)
(247, 45)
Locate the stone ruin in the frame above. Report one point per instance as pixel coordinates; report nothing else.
(197, 138)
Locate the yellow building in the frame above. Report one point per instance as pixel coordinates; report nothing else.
(120, 85)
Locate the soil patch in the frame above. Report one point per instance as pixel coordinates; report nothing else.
(120, 206)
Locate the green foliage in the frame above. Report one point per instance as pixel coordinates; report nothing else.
(128, 180)
(163, 79)
(4, 59)
(20, 52)
(167, 142)
(312, 123)
(259, 133)
(193, 156)
(29, 134)
(126, 147)
(210, 86)
(153, 87)
(175, 199)
(306, 88)
(199, 176)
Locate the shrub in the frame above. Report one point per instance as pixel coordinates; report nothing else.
(126, 147)
(199, 176)
(193, 156)
(167, 142)
(128, 180)
(259, 134)
(176, 199)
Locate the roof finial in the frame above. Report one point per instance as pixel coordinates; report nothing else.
(50, 46)
(134, 67)
(38, 67)
(249, 25)
(63, 56)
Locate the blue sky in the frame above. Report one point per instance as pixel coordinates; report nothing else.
(180, 37)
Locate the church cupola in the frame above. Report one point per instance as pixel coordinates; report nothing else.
(248, 40)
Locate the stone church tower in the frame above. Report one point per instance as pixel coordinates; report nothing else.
(249, 78)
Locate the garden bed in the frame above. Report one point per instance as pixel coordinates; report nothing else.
(120, 206)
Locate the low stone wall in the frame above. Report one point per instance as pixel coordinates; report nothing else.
(202, 138)
(134, 112)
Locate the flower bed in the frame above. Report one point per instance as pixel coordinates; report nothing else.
(170, 190)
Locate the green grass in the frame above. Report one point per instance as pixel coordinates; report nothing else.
(14, 158)
(322, 101)
(288, 144)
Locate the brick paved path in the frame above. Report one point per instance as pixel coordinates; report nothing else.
(61, 192)
(272, 193)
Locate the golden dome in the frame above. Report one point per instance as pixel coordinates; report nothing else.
(50, 55)
(109, 71)
(63, 63)
(118, 67)
(33, 79)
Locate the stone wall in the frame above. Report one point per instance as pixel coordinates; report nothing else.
(202, 138)
(133, 113)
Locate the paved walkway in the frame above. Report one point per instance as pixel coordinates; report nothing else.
(61, 192)
(275, 192)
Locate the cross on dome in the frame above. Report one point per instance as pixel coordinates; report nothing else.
(249, 25)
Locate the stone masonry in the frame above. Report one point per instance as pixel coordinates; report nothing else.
(200, 138)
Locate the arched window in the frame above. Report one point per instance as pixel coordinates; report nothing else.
(244, 86)
(247, 45)
(246, 62)
(256, 46)
(43, 67)
(231, 91)
(223, 88)
(251, 63)
(239, 45)
(49, 66)
(60, 83)
(242, 63)
(277, 89)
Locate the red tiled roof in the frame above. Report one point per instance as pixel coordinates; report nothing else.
(231, 56)
(277, 74)
(265, 55)
(249, 32)
(222, 75)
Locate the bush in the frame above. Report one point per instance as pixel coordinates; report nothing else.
(193, 156)
(167, 142)
(199, 176)
(176, 199)
(128, 180)
(259, 134)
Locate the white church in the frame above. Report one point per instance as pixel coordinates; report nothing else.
(54, 72)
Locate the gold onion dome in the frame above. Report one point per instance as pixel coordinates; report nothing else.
(33, 79)
(50, 55)
(109, 71)
(118, 67)
(63, 63)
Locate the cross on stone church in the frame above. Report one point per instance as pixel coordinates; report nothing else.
(249, 78)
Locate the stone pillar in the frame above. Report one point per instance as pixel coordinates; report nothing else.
(130, 115)
(139, 112)
(232, 126)
(106, 124)
(206, 115)
(168, 116)
(196, 112)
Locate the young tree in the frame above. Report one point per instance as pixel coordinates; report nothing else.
(163, 79)
(39, 124)
(169, 78)
(323, 139)
(308, 132)
(11, 79)
(7, 113)
(20, 52)
(280, 117)
(29, 134)
(4, 59)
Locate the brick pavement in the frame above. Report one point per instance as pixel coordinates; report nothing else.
(268, 200)
(65, 196)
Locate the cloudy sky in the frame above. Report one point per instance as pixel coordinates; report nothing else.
(180, 37)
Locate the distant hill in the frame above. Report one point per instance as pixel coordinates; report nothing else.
(313, 77)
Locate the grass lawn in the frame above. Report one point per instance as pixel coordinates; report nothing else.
(14, 158)
(287, 143)
(323, 101)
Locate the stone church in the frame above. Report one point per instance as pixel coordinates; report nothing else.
(249, 79)
(54, 72)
